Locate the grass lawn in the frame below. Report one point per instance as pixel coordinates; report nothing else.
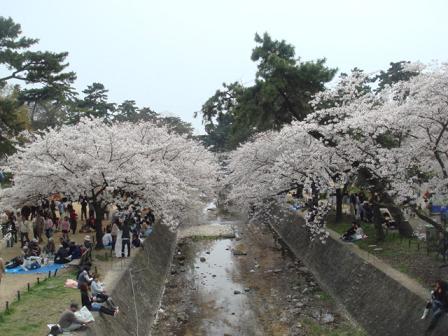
(42, 305)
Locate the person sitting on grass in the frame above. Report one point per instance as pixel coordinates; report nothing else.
(136, 241)
(31, 263)
(50, 247)
(88, 301)
(350, 233)
(438, 304)
(62, 256)
(34, 248)
(107, 239)
(14, 262)
(146, 228)
(68, 320)
(74, 250)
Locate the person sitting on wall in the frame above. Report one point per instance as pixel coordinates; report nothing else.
(91, 305)
(99, 292)
(349, 235)
(68, 320)
(438, 304)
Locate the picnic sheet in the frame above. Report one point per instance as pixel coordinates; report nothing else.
(43, 269)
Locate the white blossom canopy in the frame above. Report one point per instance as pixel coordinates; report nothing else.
(399, 134)
(161, 169)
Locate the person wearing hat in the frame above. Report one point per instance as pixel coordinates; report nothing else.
(50, 248)
(87, 242)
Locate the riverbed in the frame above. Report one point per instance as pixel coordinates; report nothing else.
(249, 285)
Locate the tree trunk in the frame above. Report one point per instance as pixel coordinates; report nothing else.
(384, 200)
(315, 194)
(378, 222)
(99, 215)
(339, 197)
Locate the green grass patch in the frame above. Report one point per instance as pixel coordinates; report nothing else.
(314, 328)
(39, 307)
(324, 296)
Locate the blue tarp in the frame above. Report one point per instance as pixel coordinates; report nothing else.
(439, 208)
(43, 269)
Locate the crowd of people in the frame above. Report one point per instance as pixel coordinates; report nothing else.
(35, 228)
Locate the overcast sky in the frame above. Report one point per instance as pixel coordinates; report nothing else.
(173, 55)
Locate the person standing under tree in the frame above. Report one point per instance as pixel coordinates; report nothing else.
(125, 238)
(73, 220)
(83, 202)
(114, 233)
(23, 229)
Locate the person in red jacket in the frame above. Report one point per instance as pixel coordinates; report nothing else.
(73, 220)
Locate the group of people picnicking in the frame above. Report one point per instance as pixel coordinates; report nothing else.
(362, 211)
(34, 227)
(31, 224)
(94, 297)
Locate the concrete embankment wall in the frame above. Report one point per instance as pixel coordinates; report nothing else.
(382, 305)
(138, 288)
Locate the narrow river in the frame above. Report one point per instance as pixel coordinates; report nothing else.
(243, 286)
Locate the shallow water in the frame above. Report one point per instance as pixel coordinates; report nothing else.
(219, 310)
(212, 291)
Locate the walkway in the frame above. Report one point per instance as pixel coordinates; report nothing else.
(398, 276)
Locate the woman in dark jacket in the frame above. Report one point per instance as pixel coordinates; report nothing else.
(438, 304)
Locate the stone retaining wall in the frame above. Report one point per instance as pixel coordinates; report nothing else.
(380, 304)
(138, 288)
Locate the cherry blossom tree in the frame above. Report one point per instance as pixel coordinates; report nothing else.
(395, 138)
(420, 114)
(276, 162)
(147, 164)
